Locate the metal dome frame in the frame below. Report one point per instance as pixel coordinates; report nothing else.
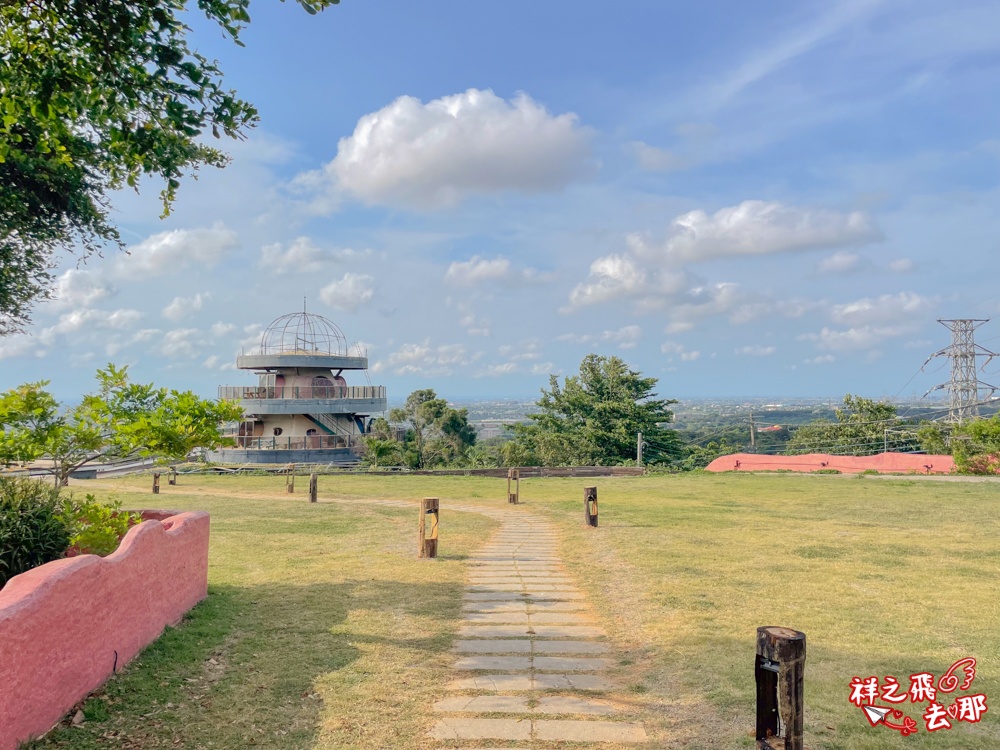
(303, 333)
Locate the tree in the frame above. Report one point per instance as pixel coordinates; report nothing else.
(975, 445)
(380, 451)
(595, 417)
(860, 430)
(438, 434)
(94, 95)
(123, 419)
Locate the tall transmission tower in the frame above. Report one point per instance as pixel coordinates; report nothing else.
(965, 386)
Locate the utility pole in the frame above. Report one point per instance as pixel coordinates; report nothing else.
(638, 451)
(964, 386)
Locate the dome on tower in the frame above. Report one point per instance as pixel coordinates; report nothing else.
(303, 333)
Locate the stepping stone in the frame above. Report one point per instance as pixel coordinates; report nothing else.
(565, 704)
(557, 606)
(569, 664)
(559, 618)
(562, 647)
(481, 729)
(568, 631)
(486, 704)
(496, 682)
(514, 606)
(494, 596)
(571, 682)
(569, 730)
(493, 647)
(501, 663)
(495, 618)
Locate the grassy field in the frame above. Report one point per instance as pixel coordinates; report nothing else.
(322, 631)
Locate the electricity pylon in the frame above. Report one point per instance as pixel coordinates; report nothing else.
(965, 385)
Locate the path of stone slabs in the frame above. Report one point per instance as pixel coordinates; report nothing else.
(531, 660)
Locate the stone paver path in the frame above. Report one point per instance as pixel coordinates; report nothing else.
(530, 662)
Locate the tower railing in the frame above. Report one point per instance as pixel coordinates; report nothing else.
(229, 392)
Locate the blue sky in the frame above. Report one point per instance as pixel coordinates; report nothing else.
(740, 199)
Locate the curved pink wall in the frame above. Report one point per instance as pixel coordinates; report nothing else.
(61, 623)
(886, 463)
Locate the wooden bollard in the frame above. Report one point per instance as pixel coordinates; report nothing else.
(313, 487)
(515, 496)
(590, 506)
(428, 542)
(172, 476)
(290, 478)
(778, 671)
(156, 483)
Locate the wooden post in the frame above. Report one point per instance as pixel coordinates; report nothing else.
(778, 672)
(313, 487)
(156, 483)
(172, 476)
(590, 506)
(428, 543)
(290, 478)
(515, 496)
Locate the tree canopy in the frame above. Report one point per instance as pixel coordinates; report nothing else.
(93, 96)
(122, 419)
(594, 418)
(860, 430)
(438, 433)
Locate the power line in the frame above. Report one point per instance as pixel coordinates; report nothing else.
(964, 386)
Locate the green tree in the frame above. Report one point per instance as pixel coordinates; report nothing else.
(860, 430)
(594, 418)
(438, 434)
(380, 451)
(93, 96)
(123, 419)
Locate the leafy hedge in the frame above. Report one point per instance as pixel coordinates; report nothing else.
(38, 524)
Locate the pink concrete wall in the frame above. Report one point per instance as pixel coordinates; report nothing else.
(61, 623)
(886, 463)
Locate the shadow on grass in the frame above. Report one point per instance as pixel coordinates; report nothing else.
(243, 667)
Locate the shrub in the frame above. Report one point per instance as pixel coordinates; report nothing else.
(95, 528)
(31, 530)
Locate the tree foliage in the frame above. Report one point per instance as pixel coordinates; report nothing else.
(121, 420)
(594, 418)
(93, 96)
(860, 430)
(975, 445)
(437, 434)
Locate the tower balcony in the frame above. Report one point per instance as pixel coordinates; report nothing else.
(281, 399)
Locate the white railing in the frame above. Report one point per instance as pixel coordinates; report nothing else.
(301, 391)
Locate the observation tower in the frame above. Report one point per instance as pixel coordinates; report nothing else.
(302, 410)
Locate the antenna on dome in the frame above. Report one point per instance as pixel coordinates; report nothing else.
(303, 304)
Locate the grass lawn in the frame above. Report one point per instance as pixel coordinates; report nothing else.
(323, 631)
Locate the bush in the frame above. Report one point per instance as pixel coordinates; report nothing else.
(31, 530)
(95, 528)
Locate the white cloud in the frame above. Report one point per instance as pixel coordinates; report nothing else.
(498, 270)
(756, 350)
(221, 329)
(211, 362)
(611, 277)
(77, 288)
(180, 343)
(20, 345)
(821, 359)
(755, 227)
(858, 338)
(654, 159)
(302, 255)
(349, 293)
(626, 337)
(888, 308)
(433, 155)
(168, 252)
(492, 371)
(901, 265)
(528, 350)
(673, 348)
(424, 359)
(82, 321)
(545, 368)
(841, 262)
(182, 307)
